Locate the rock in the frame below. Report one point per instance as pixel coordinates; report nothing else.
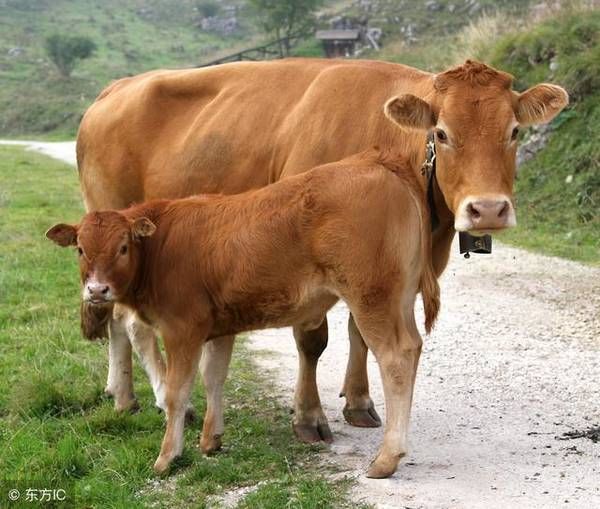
(15, 52)
(432, 5)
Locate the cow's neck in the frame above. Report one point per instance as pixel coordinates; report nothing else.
(442, 219)
(444, 232)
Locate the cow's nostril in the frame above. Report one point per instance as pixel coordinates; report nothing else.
(504, 210)
(473, 212)
(105, 290)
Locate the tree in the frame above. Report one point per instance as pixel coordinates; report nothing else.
(286, 18)
(66, 50)
(208, 8)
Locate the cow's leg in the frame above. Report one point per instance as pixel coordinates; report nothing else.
(119, 384)
(359, 409)
(182, 366)
(397, 348)
(309, 423)
(214, 365)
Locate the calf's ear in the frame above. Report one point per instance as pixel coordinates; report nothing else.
(540, 104)
(63, 234)
(142, 227)
(410, 111)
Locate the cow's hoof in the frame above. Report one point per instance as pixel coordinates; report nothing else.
(132, 406)
(311, 434)
(161, 465)
(383, 466)
(362, 417)
(209, 445)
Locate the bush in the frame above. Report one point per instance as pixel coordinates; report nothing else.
(66, 50)
(571, 44)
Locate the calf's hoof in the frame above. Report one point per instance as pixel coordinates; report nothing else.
(362, 417)
(383, 466)
(131, 405)
(162, 464)
(210, 444)
(310, 434)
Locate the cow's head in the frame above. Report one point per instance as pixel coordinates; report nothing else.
(475, 117)
(109, 252)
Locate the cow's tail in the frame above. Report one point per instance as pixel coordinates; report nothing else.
(94, 320)
(430, 289)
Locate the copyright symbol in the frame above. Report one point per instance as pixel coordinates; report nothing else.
(13, 495)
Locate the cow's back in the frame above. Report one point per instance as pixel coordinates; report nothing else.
(232, 128)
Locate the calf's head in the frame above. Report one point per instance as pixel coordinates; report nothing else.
(109, 253)
(475, 118)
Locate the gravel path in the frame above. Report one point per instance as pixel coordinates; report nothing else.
(513, 363)
(61, 150)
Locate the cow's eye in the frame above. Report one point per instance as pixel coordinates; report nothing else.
(441, 136)
(80, 251)
(515, 133)
(123, 249)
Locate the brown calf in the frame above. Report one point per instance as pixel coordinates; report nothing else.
(209, 266)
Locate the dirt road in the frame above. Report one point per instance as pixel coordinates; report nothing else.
(513, 363)
(61, 150)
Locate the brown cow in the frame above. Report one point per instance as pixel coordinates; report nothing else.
(235, 127)
(210, 266)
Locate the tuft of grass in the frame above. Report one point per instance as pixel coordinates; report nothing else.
(55, 424)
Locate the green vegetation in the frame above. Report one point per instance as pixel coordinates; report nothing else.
(131, 37)
(66, 50)
(55, 424)
(559, 190)
(286, 19)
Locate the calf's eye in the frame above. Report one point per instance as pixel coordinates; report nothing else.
(515, 133)
(441, 136)
(123, 249)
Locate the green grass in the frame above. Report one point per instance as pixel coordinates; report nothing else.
(55, 424)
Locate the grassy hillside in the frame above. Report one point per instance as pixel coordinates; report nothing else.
(132, 36)
(559, 190)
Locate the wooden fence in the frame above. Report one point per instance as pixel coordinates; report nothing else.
(269, 51)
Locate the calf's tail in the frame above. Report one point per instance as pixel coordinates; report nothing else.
(430, 289)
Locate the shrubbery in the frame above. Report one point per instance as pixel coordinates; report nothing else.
(66, 50)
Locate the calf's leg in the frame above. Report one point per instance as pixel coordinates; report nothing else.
(397, 348)
(144, 342)
(214, 364)
(119, 384)
(309, 423)
(182, 365)
(359, 409)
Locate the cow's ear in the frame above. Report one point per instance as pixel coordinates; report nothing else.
(63, 234)
(540, 104)
(142, 227)
(410, 111)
